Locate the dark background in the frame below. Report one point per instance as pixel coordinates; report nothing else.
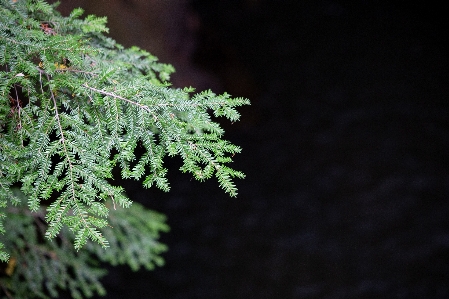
(344, 146)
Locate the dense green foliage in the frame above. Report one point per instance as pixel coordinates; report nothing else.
(74, 105)
(38, 268)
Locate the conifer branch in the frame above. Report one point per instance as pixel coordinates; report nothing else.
(73, 105)
(144, 107)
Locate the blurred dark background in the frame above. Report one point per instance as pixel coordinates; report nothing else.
(344, 147)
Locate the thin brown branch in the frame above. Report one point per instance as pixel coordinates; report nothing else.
(144, 107)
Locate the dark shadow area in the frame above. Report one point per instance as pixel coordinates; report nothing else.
(347, 191)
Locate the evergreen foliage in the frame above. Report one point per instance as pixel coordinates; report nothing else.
(38, 268)
(74, 105)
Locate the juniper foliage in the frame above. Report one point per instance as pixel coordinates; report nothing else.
(74, 105)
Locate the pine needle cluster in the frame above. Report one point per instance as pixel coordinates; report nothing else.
(74, 105)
